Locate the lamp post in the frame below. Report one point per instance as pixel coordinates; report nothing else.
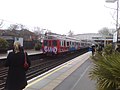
(115, 35)
(117, 26)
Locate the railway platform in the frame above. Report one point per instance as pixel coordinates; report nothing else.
(72, 75)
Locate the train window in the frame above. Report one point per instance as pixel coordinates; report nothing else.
(64, 43)
(45, 43)
(61, 43)
(77, 43)
(72, 43)
(67, 43)
(82, 44)
(54, 43)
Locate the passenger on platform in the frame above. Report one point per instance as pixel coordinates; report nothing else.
(118, 48)
(16, 79)
(93, 50)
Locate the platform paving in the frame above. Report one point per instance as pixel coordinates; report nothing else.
(79, 79)
(72, 75)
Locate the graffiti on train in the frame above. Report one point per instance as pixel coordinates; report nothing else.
(50, 49)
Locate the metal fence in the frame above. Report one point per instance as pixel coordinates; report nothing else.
(26, 44)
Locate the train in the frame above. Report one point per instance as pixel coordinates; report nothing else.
(54, 44)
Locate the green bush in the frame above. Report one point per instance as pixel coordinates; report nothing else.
(38, 46)
(106, 70)
(108, 49)
(3, 45)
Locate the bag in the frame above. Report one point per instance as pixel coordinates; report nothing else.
(26, 65)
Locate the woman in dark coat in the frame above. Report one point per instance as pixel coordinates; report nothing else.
(16, 79)
(93, 50)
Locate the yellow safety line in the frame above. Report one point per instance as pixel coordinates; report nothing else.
(39, 79)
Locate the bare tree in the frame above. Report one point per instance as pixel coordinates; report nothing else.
(13, 27)
(106, 31)
(70, 33)
(40, 32)
(37, 30)
(21, 27)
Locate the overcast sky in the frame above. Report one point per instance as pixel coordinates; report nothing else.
(60, 16)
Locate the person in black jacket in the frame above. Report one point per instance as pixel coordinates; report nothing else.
(118, 48)
(93, 50)
(16, 79)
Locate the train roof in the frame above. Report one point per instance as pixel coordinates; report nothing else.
(52, 36)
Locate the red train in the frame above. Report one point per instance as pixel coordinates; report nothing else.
(56, 44)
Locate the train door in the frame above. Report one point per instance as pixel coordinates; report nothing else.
(55, 46)
(49, 46)
(61, 45)
(64, 46)
(68, 45)
(78, 45)
(44, 46)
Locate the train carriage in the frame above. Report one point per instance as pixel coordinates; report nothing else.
(56, 44)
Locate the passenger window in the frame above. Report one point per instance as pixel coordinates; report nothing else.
(67, 43)
(64, 43)
(72, 43)
(61, 43)
(54, 43)
(45, 42)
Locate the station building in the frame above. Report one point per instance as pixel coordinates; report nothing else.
(95, 38)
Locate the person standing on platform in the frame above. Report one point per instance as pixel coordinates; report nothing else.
(16, 79)
(118, 48)
(93, 50)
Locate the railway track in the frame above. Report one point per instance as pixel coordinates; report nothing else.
(40, 65)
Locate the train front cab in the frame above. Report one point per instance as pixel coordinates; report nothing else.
(50, 47)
